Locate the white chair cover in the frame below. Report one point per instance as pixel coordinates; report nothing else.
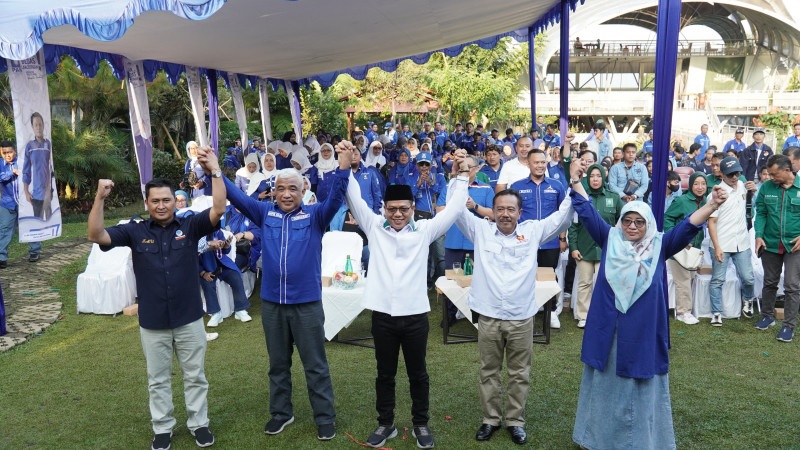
(108, 285)
(336, 245)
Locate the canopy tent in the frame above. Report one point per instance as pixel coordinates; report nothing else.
(294, 41)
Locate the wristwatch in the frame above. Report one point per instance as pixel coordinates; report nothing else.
(574, 182)
(216, 174)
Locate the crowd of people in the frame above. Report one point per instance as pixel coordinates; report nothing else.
(424, 201)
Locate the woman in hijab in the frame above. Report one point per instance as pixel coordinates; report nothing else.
(290, 137)
(403, 171)
(361, 143)
(312, 145)
(194, 178)
(244, 174)
(283, 160)
(324, 167)
(375, 157)
(624, 399)
(692, 200)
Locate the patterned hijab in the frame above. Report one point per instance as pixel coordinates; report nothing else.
(631, 265)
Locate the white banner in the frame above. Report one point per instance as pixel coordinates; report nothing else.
(140, 120)
(39, 211)
(238, 105)
(294, 108)
(196, 97)
(263, 101)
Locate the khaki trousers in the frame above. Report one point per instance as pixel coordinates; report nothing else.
(683, 286)
(586, 275)
(514, 338)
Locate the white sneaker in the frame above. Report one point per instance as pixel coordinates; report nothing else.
(716, 320)
(688, 318)
(581, 324)
(243, 316)
(211, 336)
(554, 322)
(215, 319)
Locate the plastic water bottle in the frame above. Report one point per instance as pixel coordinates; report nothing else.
(467, 265)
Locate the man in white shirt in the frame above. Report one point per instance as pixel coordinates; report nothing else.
(503, 293)
(730, 240)
(397, 295)
(515, 169)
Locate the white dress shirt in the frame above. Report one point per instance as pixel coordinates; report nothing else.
(504, 276)
(732, 234)
(398, 260)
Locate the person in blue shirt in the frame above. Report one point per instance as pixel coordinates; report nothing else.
(37, 170)
(9, 208)
(457, 134)
(456, 245)
(196, 179)
(551, 139)
(430, 192)
(510, 138)
(390, 132)
(403, 170)
(647, 147)
(369, 180)
(703, 140)
(494, 163)
(291, 290)
(755, 155)
(736, 143)
(441, 134)
(215, 264)
(629, 179)
(793, 141)
(406, 133)
(476, 146)
(371, 134)
(541, 196)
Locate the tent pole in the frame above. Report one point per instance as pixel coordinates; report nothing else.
(213, 110)
(532, 73)
(563, 80)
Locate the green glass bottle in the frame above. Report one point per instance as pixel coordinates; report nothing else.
(467, 265)
(348, 266)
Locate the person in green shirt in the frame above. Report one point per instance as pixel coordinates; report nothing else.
(683, 206)
(777, 227)
(583, 249)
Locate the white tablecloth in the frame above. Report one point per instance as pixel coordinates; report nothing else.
(545, 290)
(341, 307)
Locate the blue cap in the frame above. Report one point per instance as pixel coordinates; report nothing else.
(388, 125)
(730, 165)
(424, 157)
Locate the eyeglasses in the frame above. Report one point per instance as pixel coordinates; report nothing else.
(733, 174)
(394, 209)
(640, 223)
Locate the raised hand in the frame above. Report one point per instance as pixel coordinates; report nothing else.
(104, 188)
(207, 159)
(344, 150)
(718, 195)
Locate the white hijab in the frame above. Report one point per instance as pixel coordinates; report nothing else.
(302, 160)
(286, 147)
(312, 145)
(325, 165)
(268, 173)
(372, 159)
(273, 146)
(251, 158)
(193, 159)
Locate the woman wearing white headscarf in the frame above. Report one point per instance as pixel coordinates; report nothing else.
(283, 159)
(624, 401)
(324, 168)
(361, 143)
(196, 179)
(244, 174)
(375, 157)
(312, 145)
(272, 147)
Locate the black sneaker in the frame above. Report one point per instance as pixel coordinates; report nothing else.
(3, 264)
(275, 426)
(203, 437)
(162, 441)
(423, 435)
(381, 435)
(33, 257)
(326, 432)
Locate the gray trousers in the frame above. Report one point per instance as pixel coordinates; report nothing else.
(301, 325)
(188, 342)
(773, 263)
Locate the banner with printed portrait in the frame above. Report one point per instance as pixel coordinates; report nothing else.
(140, 120)
(238, 105)
(195, 85)
(294, 108)
(39, 212)
(263, 103)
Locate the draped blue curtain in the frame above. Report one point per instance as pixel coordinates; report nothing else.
(667, 29)
(213, 110)
(563, 77)
(532, 73)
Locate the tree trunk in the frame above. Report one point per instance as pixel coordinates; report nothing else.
(174, 147)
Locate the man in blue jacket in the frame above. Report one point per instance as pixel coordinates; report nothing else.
(9, 183)
(216, 265)
(291, 290)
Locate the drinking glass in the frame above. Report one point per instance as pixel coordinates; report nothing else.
(457, 268)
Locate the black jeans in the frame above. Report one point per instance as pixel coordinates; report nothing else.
(411, 334)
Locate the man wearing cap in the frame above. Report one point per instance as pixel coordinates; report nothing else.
(396, 294)
(755, 155)
(736, 143)
(730, 240)
(430, 191)
(777, 227)
(390, 133)
(703, 140)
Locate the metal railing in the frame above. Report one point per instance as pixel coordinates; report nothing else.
(647, 48)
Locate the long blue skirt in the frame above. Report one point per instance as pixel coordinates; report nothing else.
(623, 413)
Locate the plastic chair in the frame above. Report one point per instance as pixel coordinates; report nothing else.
(108, 284)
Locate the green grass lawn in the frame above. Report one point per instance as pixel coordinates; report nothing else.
(82, 384)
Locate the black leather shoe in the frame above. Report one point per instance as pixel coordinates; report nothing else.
(518, 435)
(485, 432)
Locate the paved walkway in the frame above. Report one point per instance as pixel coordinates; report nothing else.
(32, 304)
